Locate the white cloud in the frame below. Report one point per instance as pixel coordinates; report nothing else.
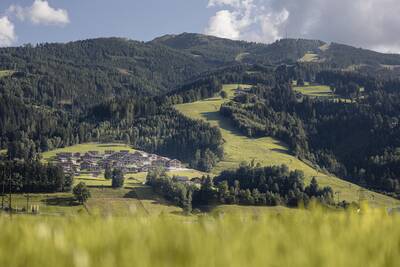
(224, 25)
(7, 33)
(366, 23)
(245, 19)
(41, 13)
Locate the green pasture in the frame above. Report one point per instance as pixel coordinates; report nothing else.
(82, 148)
(269, 151)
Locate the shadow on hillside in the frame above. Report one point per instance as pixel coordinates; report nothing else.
(222, 122)
(111, 145)
(283, 151)
(141, 192)
(99, 186)
(61, 201)
(147, 193)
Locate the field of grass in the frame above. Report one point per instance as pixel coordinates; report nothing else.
(315, 91)
(309, 57)
(269, 151)
(301, 238)
(82, 148)
(6, 73)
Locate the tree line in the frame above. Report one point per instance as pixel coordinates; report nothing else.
(247, 185)
(19, 176)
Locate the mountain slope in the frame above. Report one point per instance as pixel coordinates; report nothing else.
(93, 70)
(269, 151)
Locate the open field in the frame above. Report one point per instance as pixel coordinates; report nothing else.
(309, 57)
(299, 238)
(321, 91)
(269, 151)
(6, 73)
(49, 204)
(82, 148)
(315, 91)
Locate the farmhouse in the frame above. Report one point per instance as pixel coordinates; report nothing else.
(174, 164)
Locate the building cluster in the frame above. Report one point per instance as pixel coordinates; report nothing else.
(129, 162)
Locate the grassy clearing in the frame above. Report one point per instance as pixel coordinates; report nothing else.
(241, 56)
(309, 238)
(6, 73)
(82, 148)
(321, 91)
(309, 57)
(315, 91)
(49, 204)
(268, 151)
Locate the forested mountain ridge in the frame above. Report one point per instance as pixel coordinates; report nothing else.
(87, 71)
(113, 89)
(282, 51)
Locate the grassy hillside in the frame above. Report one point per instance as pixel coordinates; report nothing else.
(309, 238)
(6, 73)
(269, 151)
(82, 148)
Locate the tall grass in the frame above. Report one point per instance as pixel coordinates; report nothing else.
(308, 238)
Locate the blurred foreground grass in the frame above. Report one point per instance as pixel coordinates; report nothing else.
(303, 238)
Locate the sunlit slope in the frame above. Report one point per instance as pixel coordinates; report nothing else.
(268, 151)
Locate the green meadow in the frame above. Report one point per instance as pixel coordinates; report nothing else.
(6, 73)
(315, 90)
(269, 151)
(82, 148)
(309, 57)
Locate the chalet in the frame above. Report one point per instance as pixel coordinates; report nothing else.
(90, 166)
(174, 164)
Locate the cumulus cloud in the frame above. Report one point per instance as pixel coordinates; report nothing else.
(368, 23)
(40, 13)
(7, 33)
(246, 19)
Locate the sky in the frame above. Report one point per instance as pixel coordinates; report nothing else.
(373, 24)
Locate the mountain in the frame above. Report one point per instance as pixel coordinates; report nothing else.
(114, 89)
(90, 71)
(290, 51)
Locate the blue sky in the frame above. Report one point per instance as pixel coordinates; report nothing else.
(370, 24)
(135, 19)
